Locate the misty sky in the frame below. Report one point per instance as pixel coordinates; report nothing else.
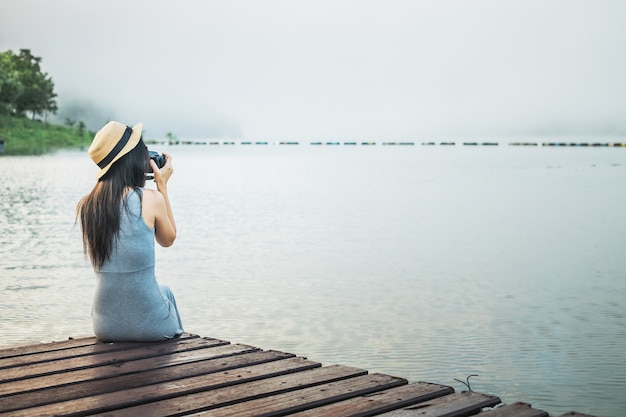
(340, 69)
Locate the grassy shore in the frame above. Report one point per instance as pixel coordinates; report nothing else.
(23, 136)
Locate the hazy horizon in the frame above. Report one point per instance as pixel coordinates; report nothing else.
(305, 70)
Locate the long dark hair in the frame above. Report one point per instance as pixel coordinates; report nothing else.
(99, 211)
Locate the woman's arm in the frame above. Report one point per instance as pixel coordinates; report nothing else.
(158, 204)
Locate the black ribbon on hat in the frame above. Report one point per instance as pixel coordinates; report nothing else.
(117, 148)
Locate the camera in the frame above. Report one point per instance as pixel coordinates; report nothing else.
(158, 158)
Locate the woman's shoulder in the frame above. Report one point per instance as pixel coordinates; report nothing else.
(149, 206)
(152, 202)
(151, 196)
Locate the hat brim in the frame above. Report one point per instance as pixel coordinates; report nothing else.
(130, 145)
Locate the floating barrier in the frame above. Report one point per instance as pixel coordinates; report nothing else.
(396, 143)
(554, 144)
(583, 144)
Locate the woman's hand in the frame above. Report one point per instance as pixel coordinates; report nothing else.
(162, 175)
(159, 204)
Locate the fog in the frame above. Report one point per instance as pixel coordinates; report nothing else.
(341, 69)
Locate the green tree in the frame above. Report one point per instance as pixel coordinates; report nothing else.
(38, 95)
(24, 87)
(81, 128)
(10, 85)
(171, 138)
(47, 102)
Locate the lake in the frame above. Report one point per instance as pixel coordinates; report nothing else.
(428, 262)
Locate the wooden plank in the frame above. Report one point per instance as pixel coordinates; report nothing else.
(89, 388)
(74, 352)
(27, 349)
(203, 376)
(71, 343)
(114, 369)
(221, 397)
(517, 409)
(307, 398)
(459, 404)
(166, 390)
(108, 358)
(380, 402)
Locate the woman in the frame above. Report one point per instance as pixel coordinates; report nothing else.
(120, 221)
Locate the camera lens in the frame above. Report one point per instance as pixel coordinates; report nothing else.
(158, 158)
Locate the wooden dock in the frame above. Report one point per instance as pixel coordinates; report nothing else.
(199, 376)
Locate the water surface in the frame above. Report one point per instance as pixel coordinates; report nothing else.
(431, 263)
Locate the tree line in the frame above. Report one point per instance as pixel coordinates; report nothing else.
(25, 91)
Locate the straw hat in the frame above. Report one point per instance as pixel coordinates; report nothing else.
(112, 142)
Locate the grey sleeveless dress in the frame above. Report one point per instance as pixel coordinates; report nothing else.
(129, 304)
